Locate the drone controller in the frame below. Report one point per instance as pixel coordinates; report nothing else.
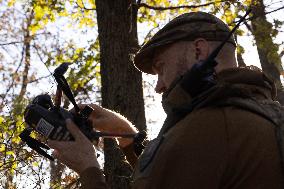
(48, 119)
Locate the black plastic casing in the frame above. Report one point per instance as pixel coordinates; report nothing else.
(51, 122)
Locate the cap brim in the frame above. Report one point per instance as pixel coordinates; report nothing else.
(143, 60)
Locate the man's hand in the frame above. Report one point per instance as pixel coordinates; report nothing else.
(77, 155)
(109, 121)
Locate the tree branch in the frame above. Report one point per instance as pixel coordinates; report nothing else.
(28, 38)
(13, 80)
(178, 7)
(275, 10)
(39, 78)
(248, 26)
(27, 44)
(11, 43)
(41, 59)
(254, 17)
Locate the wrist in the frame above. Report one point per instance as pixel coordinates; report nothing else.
(123, 142)
(87, 165)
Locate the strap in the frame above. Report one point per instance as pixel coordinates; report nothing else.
(63, 84)
(34, 144)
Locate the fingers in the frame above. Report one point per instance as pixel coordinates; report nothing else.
(60, 149)
(74, 130)
(57, 144)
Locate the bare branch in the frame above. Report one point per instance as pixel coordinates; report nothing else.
(37, 79)
(178, 7)
(275, 10)
(248, 26)
(41, 59)
(27, 44)
(254, 17)
(28, 38)
(11, 43)
(13, 80)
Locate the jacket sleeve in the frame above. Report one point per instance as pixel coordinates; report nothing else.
(130, 154)
(93, 178)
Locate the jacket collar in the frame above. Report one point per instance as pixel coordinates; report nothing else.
(248, 82)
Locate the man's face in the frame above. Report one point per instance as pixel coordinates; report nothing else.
(171, 62)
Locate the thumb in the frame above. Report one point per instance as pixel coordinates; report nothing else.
(74, 130)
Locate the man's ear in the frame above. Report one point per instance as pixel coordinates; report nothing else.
(201, 49)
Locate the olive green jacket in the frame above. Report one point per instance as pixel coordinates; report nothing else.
(216, 147)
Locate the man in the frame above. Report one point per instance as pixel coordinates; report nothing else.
(219, 138)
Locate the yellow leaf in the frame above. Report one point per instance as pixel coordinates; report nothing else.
(34, 28)
(2, 147)
(11, 2)
(14, 166)
(1, 120)
(248, 2)
(39, 12)
(63, 13)
(92, 3)
(35, 164)
(16, 140)
(10, 153)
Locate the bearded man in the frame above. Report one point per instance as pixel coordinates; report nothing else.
(223, 137)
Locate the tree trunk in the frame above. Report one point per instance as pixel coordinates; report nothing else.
(9, 183)
(267, 49)
(241, 62)
(240, 51)
(27, 63)
(17, 108)
(121, 83)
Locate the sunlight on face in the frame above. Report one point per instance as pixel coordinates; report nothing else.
(170, 62)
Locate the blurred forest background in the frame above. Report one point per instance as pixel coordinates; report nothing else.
(100, 38)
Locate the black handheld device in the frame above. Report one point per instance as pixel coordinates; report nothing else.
(48, 118)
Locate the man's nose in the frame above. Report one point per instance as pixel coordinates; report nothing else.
(160, 86)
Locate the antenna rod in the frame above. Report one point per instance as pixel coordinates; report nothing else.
(214, 54)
